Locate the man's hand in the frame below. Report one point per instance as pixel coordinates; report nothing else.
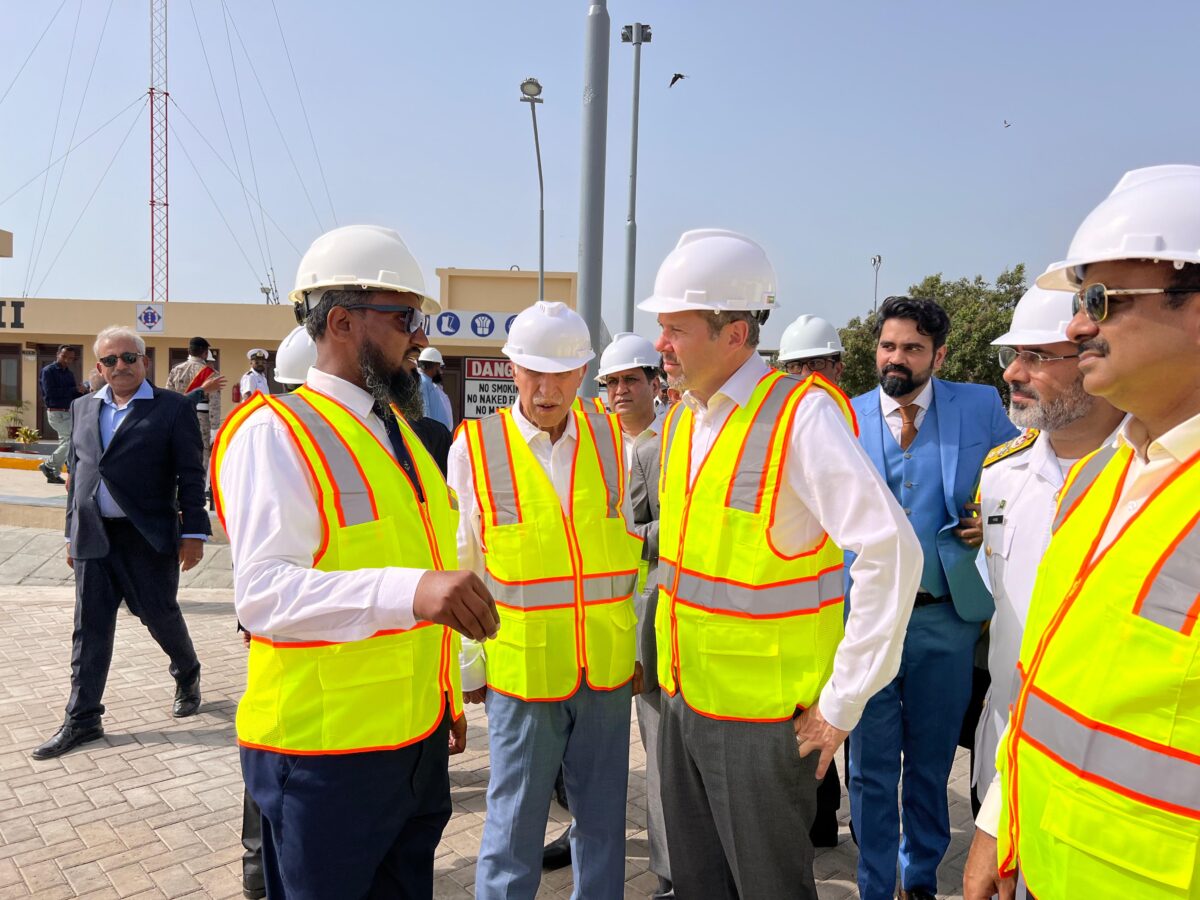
(476, 696)
(639, 678)
(814, 733)
(458, 600)
(70, 559)
(213, 383)
(970, 526)
(458, 735)
(981, 874)
(245, 639)
(191, 551)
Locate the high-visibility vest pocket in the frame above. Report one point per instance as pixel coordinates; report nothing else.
(533, 655)
(739, 665)
(611, 643)
(368, 693)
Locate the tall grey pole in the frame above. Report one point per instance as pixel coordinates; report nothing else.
(591, 205)
(635, 34)
(537, 146)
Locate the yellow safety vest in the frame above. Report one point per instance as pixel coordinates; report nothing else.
(563, 583)
(1101, 763)
(596, 404)
(389, 690)
(744, 631)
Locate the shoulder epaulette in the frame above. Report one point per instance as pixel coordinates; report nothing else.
(1023, 441)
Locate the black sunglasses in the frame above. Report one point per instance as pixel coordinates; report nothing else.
(128, 358)
(1093, 299)
(410, 318)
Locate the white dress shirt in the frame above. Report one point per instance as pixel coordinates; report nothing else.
(274, 528)
(253, 382)
(830, 485)
(555, 459)
(891, 409)
(1153, 462)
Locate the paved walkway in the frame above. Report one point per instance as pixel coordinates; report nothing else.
(154, 809)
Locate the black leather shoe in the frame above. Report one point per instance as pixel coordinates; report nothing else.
(666, 890)
(51, 476)
(187, 698)
(916, 894)
(557, 853)
(68, 738)
(254, 888)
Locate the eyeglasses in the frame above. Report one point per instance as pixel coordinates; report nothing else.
(1093, 299)
(128, 358)
(815, 364)
(410, 318)
(1029, 358)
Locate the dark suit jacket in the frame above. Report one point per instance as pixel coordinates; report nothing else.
(643, 494)
(153, 467)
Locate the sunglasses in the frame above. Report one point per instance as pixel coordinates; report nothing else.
(128, 358)
(409, 318)
(1031, 359)
(1093, 299)
(814, 364)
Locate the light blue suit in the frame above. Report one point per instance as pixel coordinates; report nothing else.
(919, 714)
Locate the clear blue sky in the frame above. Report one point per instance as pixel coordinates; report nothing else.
(829, 132)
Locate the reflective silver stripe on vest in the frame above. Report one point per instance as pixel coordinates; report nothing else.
(561, 592)
(673, 417)
(499, 473)
(1174, 593)
(1157, 776)
(794, 598)
(1090, 472)
(354, 495)
(610, 462)
(747, 481)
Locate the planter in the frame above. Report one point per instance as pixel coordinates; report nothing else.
(12, 431)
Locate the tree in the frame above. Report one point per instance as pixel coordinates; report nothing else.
(979, 313)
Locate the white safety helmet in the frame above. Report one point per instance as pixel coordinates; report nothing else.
(297, 353)
(431, 355)
(257, 351)
(627, 351)
(549, 337)
(713, 270)
(1041, 317)
(1152, 213)
(358, 257)
(807, 337)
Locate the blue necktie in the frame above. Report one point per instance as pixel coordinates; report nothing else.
(393, 432)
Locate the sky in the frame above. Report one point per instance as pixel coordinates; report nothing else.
(828, 132)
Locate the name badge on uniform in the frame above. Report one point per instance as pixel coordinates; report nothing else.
(995, 520)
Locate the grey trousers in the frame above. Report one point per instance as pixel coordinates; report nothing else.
(739, 802)
(648, 705)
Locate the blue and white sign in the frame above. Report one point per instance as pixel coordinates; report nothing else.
(150, 318)
(470, 326)
(448, 324)
(508, 323)
(482, 325)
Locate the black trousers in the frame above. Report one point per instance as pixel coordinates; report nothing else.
(148, 583)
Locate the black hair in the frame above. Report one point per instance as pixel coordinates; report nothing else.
(931, 319)
(197, 346)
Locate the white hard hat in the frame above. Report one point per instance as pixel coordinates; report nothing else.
(1152, 213)
(431, 355)
(363, 257)
(549, 337)
(809, 336)
(1041, 317)
(296, 355)
(712, 270)
(628, 351)
(257, 351)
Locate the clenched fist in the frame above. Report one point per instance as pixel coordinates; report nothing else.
(458, 600)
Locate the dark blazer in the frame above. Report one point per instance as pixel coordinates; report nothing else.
(153, 467)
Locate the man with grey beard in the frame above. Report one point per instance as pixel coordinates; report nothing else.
(1020, 484)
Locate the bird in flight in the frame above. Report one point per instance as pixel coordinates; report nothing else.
(678, 76)
(1007, 124)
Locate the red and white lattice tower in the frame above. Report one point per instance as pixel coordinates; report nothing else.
(158, 151)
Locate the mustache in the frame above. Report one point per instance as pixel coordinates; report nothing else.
(1096, 345)
(896, 367)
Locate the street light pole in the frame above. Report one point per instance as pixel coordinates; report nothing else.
(876, 262)
(531, 90)
(635, 34)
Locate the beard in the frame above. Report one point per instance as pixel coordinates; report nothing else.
(389, 383)
(898, 381)
(1070, 406)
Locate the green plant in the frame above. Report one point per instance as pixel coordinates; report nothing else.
(27, 435)
(15, 417)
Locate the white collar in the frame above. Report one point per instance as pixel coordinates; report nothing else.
(739, 387)
(530, 432)
(888, 404)
(351, 396)
(1181, 443)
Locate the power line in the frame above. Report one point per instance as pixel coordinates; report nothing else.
(79, 218)
(33, 50)
(304, 111)
(74, 128)
(53, 139)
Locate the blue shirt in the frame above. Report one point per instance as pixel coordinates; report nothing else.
(112, 415)
(430, 397)
(59, 387)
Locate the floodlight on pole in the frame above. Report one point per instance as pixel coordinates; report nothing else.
(876, 262)
(531, 93)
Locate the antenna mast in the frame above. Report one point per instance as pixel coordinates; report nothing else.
(158, 151)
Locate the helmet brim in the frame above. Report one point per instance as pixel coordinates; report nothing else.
(549, 365)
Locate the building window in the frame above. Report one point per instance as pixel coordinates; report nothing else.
(10, 373)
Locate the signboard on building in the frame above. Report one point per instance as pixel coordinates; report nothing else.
(150, 318)
(487, 386)
(469, 326)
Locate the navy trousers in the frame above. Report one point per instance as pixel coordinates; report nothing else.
(355, 825)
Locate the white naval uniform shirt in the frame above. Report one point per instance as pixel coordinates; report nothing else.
(830, 484)
(253, 382)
